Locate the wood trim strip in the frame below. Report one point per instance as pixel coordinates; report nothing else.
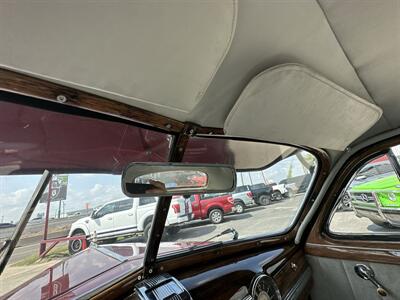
(377, 255)
(15, 82)
(290, 272)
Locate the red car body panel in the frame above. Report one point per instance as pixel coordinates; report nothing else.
(201, 207)
(85, 272)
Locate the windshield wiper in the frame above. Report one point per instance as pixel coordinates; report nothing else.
(10, 244)
(226, 231)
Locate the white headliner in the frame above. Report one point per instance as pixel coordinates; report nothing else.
(190, 61)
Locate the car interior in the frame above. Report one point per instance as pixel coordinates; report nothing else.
(187, 101)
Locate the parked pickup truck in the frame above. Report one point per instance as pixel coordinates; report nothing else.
(127, 217)
(263, 194)
(212, 206)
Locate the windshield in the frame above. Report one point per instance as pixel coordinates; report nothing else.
(82, 206)
(83, 216)
(257, 207)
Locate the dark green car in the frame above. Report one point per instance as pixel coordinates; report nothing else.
(378, 200)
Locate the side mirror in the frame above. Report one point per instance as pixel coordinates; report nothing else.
(168, 179)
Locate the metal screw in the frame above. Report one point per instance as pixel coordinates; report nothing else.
(150, 271)
(168, 126)
(293, 266)
(139, 277)
(61, 98)
(191, 131)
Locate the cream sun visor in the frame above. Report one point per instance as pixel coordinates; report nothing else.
(292, 104)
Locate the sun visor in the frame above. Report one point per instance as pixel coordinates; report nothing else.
(292, 104)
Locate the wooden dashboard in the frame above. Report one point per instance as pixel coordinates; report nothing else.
(223, 280)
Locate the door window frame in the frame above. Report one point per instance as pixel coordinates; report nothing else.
(320, 229)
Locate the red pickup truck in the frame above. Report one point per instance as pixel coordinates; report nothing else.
(212, 206)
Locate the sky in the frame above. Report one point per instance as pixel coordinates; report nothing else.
(96, 189)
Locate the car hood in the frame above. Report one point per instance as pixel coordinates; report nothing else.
(389, 182)
(82, 220)
(86, 270)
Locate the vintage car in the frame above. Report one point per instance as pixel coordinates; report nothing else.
(378, 200)
(135, 99)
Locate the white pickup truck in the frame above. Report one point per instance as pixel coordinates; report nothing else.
(126, 217)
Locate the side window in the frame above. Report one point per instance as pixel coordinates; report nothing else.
(209, 196)
(370, 204)
(107, 209)
(124, 205)
(147, 200)
(241, 189)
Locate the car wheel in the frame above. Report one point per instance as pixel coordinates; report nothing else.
(264, 200)
(173, 230)
(239, 207)
(76, 246)
(346, 202)
(146, 231)
(216, 216)
(277, 195)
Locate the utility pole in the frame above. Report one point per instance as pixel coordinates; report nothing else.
(263, 176)
(46, 221)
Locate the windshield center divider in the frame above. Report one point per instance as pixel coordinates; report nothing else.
(157, 228)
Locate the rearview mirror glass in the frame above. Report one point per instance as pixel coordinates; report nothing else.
(161, 179)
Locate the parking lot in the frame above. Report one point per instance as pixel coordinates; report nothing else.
(269, 219)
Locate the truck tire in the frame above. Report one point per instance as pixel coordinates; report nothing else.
(239, 207)
(277, 195)
(216, 216)
(75, 246)
(146, 231)
(264, 200)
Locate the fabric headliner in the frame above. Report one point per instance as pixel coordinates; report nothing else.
(355, 44)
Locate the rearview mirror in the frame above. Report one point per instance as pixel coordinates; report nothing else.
(168, 179)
